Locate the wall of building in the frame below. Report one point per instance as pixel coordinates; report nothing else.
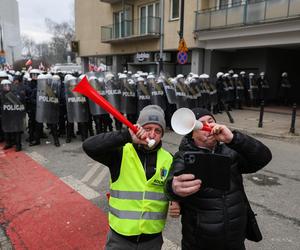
(89, 16)
(92, 14)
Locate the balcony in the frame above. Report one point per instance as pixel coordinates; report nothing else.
(133, 30)
(241, 14)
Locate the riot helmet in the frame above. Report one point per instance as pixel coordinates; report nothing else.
(5, 85)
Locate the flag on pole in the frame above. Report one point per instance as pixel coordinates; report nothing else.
(91, 67)
(28, 63)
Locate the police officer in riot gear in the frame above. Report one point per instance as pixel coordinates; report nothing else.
(253, 90)
(220, 93)
(48, 103)
(245, 83)
(285, 89)
(113, 95)
(77, 108)
(3, 76)
(263, 88)
(13, 114)
(128, 98)
(35, 128)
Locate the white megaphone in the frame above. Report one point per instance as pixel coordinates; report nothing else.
(183, 121)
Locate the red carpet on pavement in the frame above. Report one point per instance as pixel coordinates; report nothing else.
(39, 211)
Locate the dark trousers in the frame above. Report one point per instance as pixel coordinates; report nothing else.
(99, 123)
(35, 129)
(117, 242)
(70, 132)
(54, 132)
(107, 122)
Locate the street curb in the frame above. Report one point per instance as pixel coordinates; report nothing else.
(288, 137)
(5, 243)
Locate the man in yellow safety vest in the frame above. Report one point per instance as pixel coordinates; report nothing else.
(137, 205)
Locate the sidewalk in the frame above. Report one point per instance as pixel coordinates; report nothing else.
(276, 122)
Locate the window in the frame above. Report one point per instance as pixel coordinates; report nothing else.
(118, 24)
(123, 22)
(224, 4)
(149, 22)
(175, 6)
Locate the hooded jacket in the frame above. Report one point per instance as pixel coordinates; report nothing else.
(212, 218)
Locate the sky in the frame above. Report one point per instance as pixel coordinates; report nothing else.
(32, 15)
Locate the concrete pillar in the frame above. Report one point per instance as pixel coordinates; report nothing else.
(207, 61)
(117, 64)
(85, 64)
(197, 63)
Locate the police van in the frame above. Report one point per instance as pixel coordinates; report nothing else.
(67, 67)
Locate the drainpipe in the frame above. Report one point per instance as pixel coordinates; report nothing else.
(161, 45)
(1, 39)
(181, 19)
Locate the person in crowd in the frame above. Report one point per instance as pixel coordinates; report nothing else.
(285, 88)
(214, 219)
(137, 205)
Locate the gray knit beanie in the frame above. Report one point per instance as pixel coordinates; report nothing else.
(152, 114)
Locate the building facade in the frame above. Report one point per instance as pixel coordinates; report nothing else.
(10, 31)
(134, 35)
(250, 35)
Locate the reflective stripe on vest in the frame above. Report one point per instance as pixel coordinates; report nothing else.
(123, 214)
(138, 205)
(130, 195)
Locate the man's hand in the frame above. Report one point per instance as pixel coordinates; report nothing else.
(185, 185)
(222, 133)
(174, 209)
(140, 136)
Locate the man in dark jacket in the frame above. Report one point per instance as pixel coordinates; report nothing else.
(137, 204)
(214, 219)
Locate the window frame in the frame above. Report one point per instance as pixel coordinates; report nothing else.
(154, 14)
(229, 4)
(171, 10)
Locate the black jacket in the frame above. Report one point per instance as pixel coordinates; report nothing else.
(216, 219)
(107, 148)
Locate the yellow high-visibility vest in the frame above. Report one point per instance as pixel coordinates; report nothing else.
(138, 205)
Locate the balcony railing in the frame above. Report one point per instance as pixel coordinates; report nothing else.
(130, 30)
(111, 1)
(247, 14)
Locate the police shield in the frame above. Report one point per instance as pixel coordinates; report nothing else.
(193, 92)
(143, 94)
(77, 106)
(113, 90)
(213, 98)
(99, 85)
(12, 109)
(47, 103)
(181, 93)
(129, 96)
(169, 90)
(157, 92)
(239, 90)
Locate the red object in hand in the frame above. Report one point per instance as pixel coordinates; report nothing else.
(206, 128)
